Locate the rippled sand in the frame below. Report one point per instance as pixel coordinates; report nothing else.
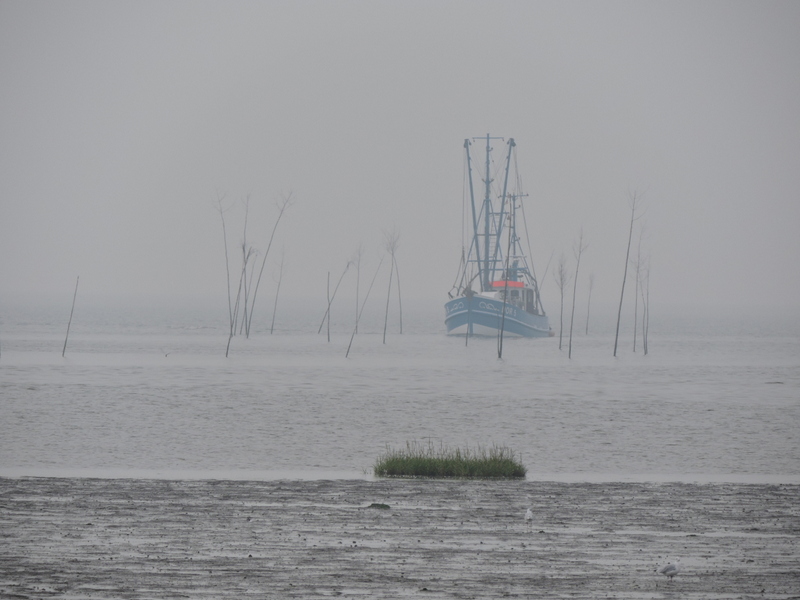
(134, 538)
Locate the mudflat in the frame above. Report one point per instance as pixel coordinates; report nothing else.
(135, 538)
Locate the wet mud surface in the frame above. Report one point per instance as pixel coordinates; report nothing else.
(128, 538)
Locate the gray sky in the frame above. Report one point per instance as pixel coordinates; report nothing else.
(121, 122)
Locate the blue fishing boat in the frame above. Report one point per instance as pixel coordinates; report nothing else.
(496, 291)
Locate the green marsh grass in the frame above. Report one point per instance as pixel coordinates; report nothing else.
(418, 460)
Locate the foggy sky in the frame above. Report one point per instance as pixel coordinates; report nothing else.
(121, 123)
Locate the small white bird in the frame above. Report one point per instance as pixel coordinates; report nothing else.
(671, 569)
(529, 517)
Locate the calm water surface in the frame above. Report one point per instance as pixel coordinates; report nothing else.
(134, 398)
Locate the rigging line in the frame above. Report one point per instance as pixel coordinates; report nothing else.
(497, 220)
(461, 273)
(474, 218)
(464, 184)
(503, 169)
(527, 238)
(495, 224)
(530, 266)
(517, 173)
(546, 269)
(492, 227)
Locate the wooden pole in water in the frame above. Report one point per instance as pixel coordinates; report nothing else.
(328, 314)
(332, 297)
(277, 291)
(589, 302)
(392, 239)
(633, 202)
(399, 298)
(363, 304)
(69, 323)
(578, 252)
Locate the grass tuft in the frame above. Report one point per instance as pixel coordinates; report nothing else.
(418, 460)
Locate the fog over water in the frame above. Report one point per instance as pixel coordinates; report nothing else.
(122, 123)
(154, 396)
(125, 126)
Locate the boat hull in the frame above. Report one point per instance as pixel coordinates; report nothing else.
(479, 315)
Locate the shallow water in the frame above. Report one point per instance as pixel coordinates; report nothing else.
(138, 400)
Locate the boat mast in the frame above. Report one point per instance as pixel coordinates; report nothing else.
(472, 204)
(487, 219)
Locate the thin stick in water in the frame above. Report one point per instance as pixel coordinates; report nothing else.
(277, 291)
(331, 298)
(363, 304)
(69, 323)
(328, 313)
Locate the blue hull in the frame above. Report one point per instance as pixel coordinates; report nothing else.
(484, 316)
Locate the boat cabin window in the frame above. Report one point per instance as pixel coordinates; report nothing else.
(530, 305)
(514, 297)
